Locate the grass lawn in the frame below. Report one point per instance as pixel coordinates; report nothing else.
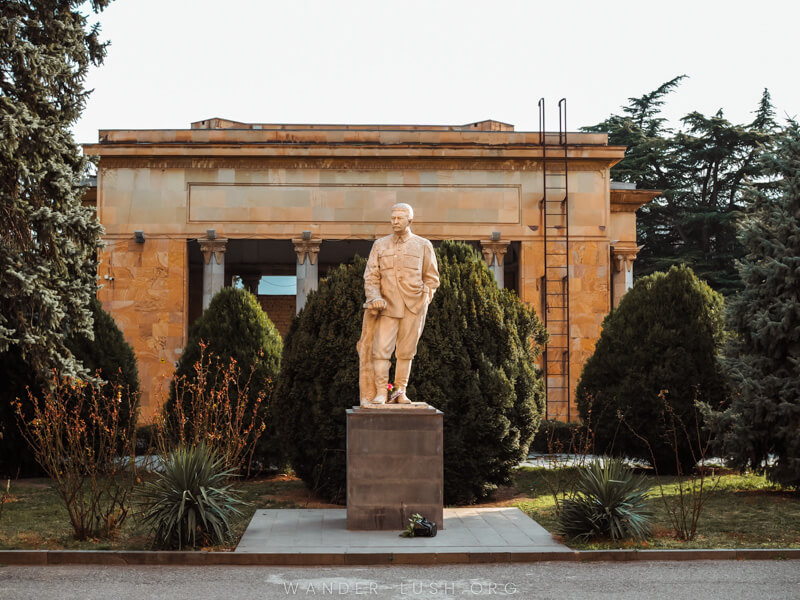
(744, 511)
(35, 517)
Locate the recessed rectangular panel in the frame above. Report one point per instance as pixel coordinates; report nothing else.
(252, 203)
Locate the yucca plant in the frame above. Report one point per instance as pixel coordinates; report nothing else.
(609, 502)
(189, 501)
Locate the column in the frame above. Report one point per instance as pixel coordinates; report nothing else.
(307, 251)
(213, 267)
(622, 257)
(493, 253)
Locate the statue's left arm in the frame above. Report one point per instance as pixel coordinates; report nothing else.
(430, 271)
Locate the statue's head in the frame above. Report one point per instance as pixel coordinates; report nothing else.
(402, 215)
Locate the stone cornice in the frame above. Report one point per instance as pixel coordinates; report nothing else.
(350, 144)
(603, 155)
(631, 200)
(342, 137)
(352, 163)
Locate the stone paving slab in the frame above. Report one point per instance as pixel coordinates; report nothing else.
(466, 530)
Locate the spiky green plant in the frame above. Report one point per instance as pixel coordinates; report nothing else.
(609, 502)
(189, 500)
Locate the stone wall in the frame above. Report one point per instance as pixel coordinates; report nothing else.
(589, 304)
(147, 298)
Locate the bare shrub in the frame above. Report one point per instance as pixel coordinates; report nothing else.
(685, 507)
(214, 406)
(82, 438)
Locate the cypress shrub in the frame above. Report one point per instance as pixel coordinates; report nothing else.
(234, 326)
(474, 362)
(657, 353)
(108, 355)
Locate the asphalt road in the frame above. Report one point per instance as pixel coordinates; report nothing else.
(730, 580)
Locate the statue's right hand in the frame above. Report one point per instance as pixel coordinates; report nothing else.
(377, 304)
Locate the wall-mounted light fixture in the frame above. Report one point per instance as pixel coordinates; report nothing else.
(306, 235)
(495, 236)
(138, 236)
(211, 234)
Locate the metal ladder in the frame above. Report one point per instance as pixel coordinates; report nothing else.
(555, 282)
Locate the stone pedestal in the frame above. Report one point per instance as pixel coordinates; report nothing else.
(394, 466)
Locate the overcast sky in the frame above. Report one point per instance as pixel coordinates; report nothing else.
(437, 62)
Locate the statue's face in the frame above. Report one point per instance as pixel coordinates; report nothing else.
(400, 220)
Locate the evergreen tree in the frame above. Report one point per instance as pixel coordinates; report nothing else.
(765, 361)
(660, 344)
(474, 362)
(702, 170)
(48, 241)
(644, 132)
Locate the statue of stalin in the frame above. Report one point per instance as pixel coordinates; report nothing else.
(399, 281)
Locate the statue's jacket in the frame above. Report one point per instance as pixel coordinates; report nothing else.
(403, 271)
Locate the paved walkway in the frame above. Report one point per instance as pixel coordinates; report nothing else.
(305, 531)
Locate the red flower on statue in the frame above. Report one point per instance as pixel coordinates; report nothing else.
(389, 387)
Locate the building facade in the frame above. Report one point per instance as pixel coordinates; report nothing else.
(186, 211)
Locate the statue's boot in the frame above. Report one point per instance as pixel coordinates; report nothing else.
(381, 380)
(401, 372)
